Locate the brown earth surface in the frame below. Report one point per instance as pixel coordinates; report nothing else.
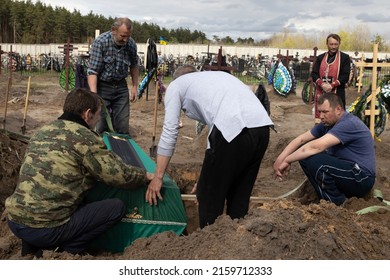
(275, 228)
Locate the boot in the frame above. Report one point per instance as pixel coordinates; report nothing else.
(28, 249)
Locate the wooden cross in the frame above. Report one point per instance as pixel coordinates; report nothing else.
(209, 54)
(361, 64)
(68, 48)
(312, 58)
(219, 66)
(374, 90)
(9, 85)
(285, 59)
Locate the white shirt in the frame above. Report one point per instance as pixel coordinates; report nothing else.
(213, 98)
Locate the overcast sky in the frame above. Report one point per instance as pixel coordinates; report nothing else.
(258, 19)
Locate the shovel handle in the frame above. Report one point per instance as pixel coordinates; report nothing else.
(155, 112)
(9, 85)
(27, 95)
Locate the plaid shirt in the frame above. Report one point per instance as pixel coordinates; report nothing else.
(109, 62)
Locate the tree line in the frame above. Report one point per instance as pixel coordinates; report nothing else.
(27, 23)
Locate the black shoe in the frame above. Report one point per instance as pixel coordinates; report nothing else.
(28, 249)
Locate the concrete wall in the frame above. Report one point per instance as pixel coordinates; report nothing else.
(177, 50)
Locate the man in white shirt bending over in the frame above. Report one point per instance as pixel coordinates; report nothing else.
(238, 138)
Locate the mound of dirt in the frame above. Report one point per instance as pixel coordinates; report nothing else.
(276, 230)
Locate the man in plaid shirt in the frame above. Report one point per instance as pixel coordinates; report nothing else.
(112, 56)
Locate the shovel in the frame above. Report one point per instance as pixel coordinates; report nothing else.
(153, 147)
(25, 106)
(6, 98)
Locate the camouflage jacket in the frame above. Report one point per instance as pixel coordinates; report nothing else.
(62, 162)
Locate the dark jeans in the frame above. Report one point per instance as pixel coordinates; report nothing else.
(87, 223)
(116, 99)
(229, 172)
(335, 180)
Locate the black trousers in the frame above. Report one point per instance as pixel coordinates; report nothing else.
(229, 172)
(87, 223)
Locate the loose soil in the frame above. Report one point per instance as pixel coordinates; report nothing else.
(294, 227)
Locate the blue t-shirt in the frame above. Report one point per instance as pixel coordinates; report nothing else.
(356, 143)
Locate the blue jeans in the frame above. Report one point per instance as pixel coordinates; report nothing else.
(334, 179)
(116, 99)
(87, 223)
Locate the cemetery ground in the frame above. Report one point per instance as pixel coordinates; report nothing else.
(294, 227)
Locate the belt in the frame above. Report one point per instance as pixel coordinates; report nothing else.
(113, 82)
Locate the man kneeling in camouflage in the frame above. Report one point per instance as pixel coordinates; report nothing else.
(63, 161)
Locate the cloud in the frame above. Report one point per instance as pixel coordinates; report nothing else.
(244, 18)
(364, 17)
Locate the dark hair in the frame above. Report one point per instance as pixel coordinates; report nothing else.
(120, 21)
(185, 69)
(80, 99)
(333, 99)
(334, 36)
